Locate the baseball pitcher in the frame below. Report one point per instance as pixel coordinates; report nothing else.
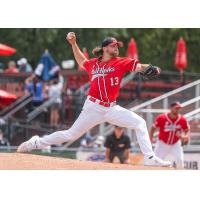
(105, 71)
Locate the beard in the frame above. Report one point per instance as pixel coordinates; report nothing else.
(113, 54)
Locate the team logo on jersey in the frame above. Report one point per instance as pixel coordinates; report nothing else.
(171, 127)
(100, 71)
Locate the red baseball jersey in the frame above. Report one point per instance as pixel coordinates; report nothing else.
(170, 128)
(105, 77)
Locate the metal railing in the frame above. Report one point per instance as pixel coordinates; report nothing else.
(165, 96)
(22, 103)
(40, 109)
(187, 103)
(163, 101)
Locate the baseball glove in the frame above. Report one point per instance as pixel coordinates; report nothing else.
(150, 72)
(184, 142)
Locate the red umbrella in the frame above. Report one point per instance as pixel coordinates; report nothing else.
(132, 49)
(6, 50)
(181, 55)
(6, 98)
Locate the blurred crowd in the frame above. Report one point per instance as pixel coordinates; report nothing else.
(22, 65)
(44, 83)
(46, 90)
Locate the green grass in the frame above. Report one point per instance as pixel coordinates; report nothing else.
(63, 154)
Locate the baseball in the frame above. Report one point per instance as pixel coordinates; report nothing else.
(70, 35)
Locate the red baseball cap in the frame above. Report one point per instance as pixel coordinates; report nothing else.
(176, 104)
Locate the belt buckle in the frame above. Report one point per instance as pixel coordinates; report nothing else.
(106, 104)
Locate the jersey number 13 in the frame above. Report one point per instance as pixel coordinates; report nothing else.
(114, 81)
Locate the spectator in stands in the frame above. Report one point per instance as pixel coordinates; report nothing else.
(24, 66)
(91, 141)
(3, 141)
(2, 122)
(12, 68)
(35, 87)
(99, 142)
(55, 93)
(88, 140)
(117, 145)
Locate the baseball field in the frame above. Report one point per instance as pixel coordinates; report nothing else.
(16, 161)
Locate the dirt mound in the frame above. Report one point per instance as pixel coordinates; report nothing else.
(16, 161)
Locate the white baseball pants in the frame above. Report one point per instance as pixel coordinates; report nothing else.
(163, 150)
(93, 114)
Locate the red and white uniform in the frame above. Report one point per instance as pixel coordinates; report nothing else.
(98, 108)
(106, 77)
(168, 140)
(169, 128)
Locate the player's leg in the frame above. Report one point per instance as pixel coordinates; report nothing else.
(120, 116)
(161, 149)
(88, 118)
(177, 152)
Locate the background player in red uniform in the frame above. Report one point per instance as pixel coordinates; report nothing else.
(173, 129)
(105, 73)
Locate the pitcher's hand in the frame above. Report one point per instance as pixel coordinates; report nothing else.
(71, 38)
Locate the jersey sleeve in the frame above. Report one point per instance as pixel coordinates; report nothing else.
(130, 64)
(158, 121)
(185, 125)
(88, 64)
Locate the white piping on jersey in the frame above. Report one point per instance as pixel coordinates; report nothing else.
(172, 133)
(179, 117)
(99, 84)
(98, 75)
(133, 65)
(105, 85)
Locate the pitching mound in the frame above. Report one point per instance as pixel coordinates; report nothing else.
(16, 161)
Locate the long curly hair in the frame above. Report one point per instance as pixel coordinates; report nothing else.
(97, 51)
